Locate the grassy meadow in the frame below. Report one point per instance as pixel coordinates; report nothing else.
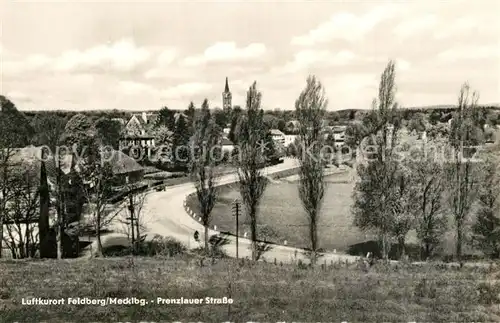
(261, 292)
(282, 216)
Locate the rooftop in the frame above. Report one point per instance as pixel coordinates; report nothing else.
(276, 132)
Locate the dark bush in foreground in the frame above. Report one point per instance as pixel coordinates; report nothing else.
(158, 246)
(161, 246)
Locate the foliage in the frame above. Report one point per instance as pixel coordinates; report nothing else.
(191, 116)
(310, 109)
(48, 130)
(97, 176)
(236, 114)
(79, 131)
(15, 129)
(250, 138)
(15, 132)
(22, 211)
(202, 165)
(166, 117)
(464, 134)
(180, 143)
(109, 131)
(428, 180)
(220, 118)
(163, 135)
(161, 246)
(377, 193)
(486, 230)
(418, 123)
(438, 130)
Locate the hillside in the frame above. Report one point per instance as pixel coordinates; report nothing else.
(260, 291)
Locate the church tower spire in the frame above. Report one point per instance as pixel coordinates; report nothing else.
(226, 97)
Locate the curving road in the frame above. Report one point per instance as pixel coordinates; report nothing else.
(165, 215)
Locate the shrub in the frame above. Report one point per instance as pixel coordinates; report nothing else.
(161, 246)
(488, 293)
(426, 289)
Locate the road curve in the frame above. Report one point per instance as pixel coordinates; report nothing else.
(165, 215)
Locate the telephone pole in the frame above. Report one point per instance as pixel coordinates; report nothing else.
(236, 213)
(131, 219)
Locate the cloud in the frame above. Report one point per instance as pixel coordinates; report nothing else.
(470, 53)
(403, 65)
(227, 51)
(346, 25)
(186, 90)
(29, 64)
(167, 57)
(122, 56)
(136, 88)
(462, 24)
(309, 58)
(416, 25)
(17, 96)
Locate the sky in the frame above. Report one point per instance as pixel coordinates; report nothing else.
(143, 55)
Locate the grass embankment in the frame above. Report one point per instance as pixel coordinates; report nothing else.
(282, 216)
(261, 292)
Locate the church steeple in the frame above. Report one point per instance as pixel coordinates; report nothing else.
(226, 97)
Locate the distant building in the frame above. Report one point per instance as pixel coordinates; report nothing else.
(137, 131)
(226, 98)
(139, 123)
(121, 121)
(289, 139)
(338, 133)
(227, 146)
(226, 131)
(31, 160)
(144, 141)
(278, 136)
(292, 126)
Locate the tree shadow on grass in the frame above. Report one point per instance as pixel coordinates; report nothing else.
(363, 248)
(217, 242)
(262, 248)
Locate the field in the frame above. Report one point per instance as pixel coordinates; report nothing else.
(282, 217)
(261, 292)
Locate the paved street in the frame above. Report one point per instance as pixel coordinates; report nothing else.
(165, 215)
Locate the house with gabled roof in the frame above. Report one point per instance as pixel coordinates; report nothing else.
(138, 131)
(41, 169)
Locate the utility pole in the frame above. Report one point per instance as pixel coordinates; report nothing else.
(236, 213)
(131, 219)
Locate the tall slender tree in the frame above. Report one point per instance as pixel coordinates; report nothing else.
(486, 229)
(180, 143)
(251, 136)
(464, 136)
(78, 139)
(202, 165)
(376, 195)
(166, 117)
(310, 109)
(427, 178)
